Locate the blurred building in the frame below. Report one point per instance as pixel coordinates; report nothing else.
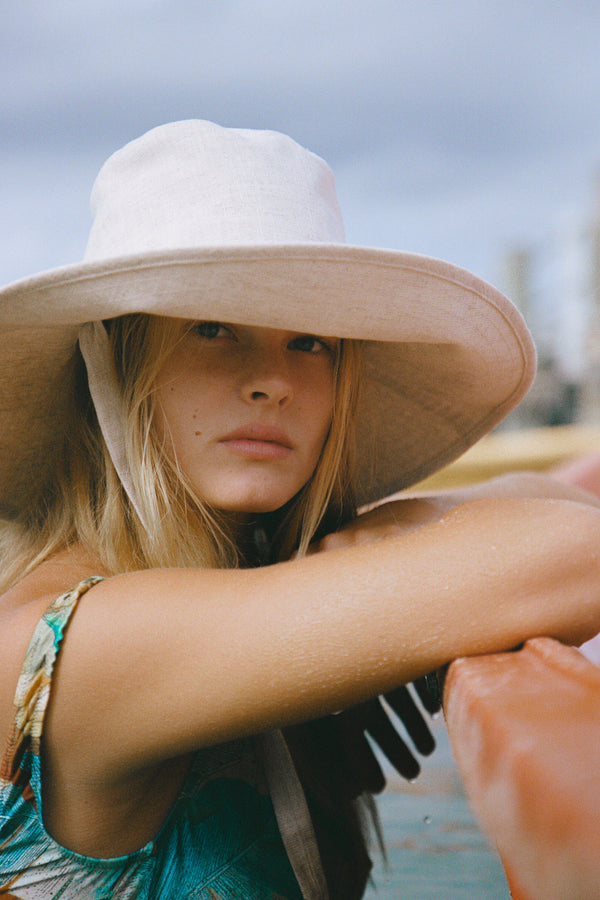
(556, 285)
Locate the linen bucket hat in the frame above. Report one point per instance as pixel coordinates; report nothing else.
(197, 221)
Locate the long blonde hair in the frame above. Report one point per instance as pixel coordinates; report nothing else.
(86, 501)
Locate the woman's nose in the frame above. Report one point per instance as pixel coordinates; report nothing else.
(268, 381)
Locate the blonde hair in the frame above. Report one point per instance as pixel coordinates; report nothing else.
(86, 501)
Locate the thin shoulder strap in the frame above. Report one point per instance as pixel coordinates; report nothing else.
(33, 686)
(293, 817)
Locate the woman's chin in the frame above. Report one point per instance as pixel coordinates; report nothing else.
(247, 503)
(252, 506)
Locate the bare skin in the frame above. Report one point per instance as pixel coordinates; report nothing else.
(159, 663)
(228, 658)
(246, 411)
(409, 510)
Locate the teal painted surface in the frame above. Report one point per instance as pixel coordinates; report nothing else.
(435, 848)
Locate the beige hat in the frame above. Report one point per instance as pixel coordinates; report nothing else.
(204, 222)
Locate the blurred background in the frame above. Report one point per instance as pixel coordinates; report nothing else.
(468, 131)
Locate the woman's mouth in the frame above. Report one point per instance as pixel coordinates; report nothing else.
(258, 442)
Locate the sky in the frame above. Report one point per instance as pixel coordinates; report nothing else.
(460, 130)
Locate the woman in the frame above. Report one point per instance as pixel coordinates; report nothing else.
(243, 381)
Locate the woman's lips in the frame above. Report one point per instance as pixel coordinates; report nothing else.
(258, 442)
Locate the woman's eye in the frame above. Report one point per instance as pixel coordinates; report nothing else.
(211, 330)
(309, 344)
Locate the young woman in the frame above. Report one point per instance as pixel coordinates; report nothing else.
(191, 418)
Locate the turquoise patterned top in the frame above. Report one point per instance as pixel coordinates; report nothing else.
(220, 841)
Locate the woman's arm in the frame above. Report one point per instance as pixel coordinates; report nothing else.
(407, 510)
(403, 513)
(158, 663)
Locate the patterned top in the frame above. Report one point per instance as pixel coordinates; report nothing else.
(220, 841)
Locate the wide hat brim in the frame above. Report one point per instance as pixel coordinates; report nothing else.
(446, 355)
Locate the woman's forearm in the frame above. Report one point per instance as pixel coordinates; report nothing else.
(484, 577)
(217, 654)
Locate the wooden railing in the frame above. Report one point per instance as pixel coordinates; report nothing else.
(525, 732)
(525, 726)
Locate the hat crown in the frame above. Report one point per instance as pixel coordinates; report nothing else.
(197, 184)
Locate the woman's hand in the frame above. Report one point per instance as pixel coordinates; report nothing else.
(390, 519)
(404, 512)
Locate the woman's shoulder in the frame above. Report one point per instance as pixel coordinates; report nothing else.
(21, 608)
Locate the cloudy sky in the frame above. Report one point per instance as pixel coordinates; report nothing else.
(458, 130)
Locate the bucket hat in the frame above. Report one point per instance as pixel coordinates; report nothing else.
(198, 221)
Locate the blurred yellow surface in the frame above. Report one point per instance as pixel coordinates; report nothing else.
(535, 449)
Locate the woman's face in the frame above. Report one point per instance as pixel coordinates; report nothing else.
(245, 411)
